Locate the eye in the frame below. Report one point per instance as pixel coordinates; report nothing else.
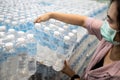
(109, 21)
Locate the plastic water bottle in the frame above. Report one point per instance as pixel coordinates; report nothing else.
(3, 65)
(1, 46)
(3, 29)
(9, 38)
(36, 31)
(12, 31)
(32, 51)
(9, 16)
(46, 37)
(48, 46)
(59, 23)
(39, 30)
(67, 46)
(63, 32)
(73, 40)
(75, 32)
(15, 18)
(15, 25)
(52, 21)
(2, 35)
(30, 24)
(66, 27)
(58, 40)
(8, 47)
(7, 23)
(53, 27)
(21, 48)
(2, 62)
(2, 16)
(20, 34)
(1, 21)
(22, 25)
(59, 44)
(59, 64)
(11, 60)
(39, 38)
(52, 46)
(72, 36)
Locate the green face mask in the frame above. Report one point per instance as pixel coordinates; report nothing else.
(108, 33)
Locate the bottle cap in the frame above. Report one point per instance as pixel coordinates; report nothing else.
(1, 42)
(1, 16)
(14, 23)
(66, 38)
(61, 30)
(2, 28)
(9, 46)
(15, 18)
(21, 33)
(1, 19)
(71, 34)
(46, 29)
(11, 37)
(22, 20)
(30, 36)
(58, 65)
(51, 26)
(65, 27)
(7, 21)
(56, 33)
(11, 30)
(21, 40)
(37, 25)
(74, 31)
(29, 19)
(22, 17)
(2, 34)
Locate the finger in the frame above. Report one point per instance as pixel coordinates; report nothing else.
(65, 62)
(37, 20)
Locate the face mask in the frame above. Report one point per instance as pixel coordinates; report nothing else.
(108, 33)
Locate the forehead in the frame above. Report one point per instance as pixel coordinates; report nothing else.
(112, 11)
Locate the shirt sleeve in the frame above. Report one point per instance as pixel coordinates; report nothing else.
(93, 27)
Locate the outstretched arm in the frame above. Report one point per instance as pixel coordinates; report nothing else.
(67, 18)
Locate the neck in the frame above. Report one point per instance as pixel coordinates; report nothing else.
(115, 53)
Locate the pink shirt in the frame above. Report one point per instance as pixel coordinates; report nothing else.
(107, 72)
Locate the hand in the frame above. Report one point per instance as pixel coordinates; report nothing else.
(67, 70)
(43, 18)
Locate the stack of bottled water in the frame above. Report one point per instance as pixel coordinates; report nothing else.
(55, 40)
(17, 54)
(20, 14)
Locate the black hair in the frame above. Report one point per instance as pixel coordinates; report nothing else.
(118, 11)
